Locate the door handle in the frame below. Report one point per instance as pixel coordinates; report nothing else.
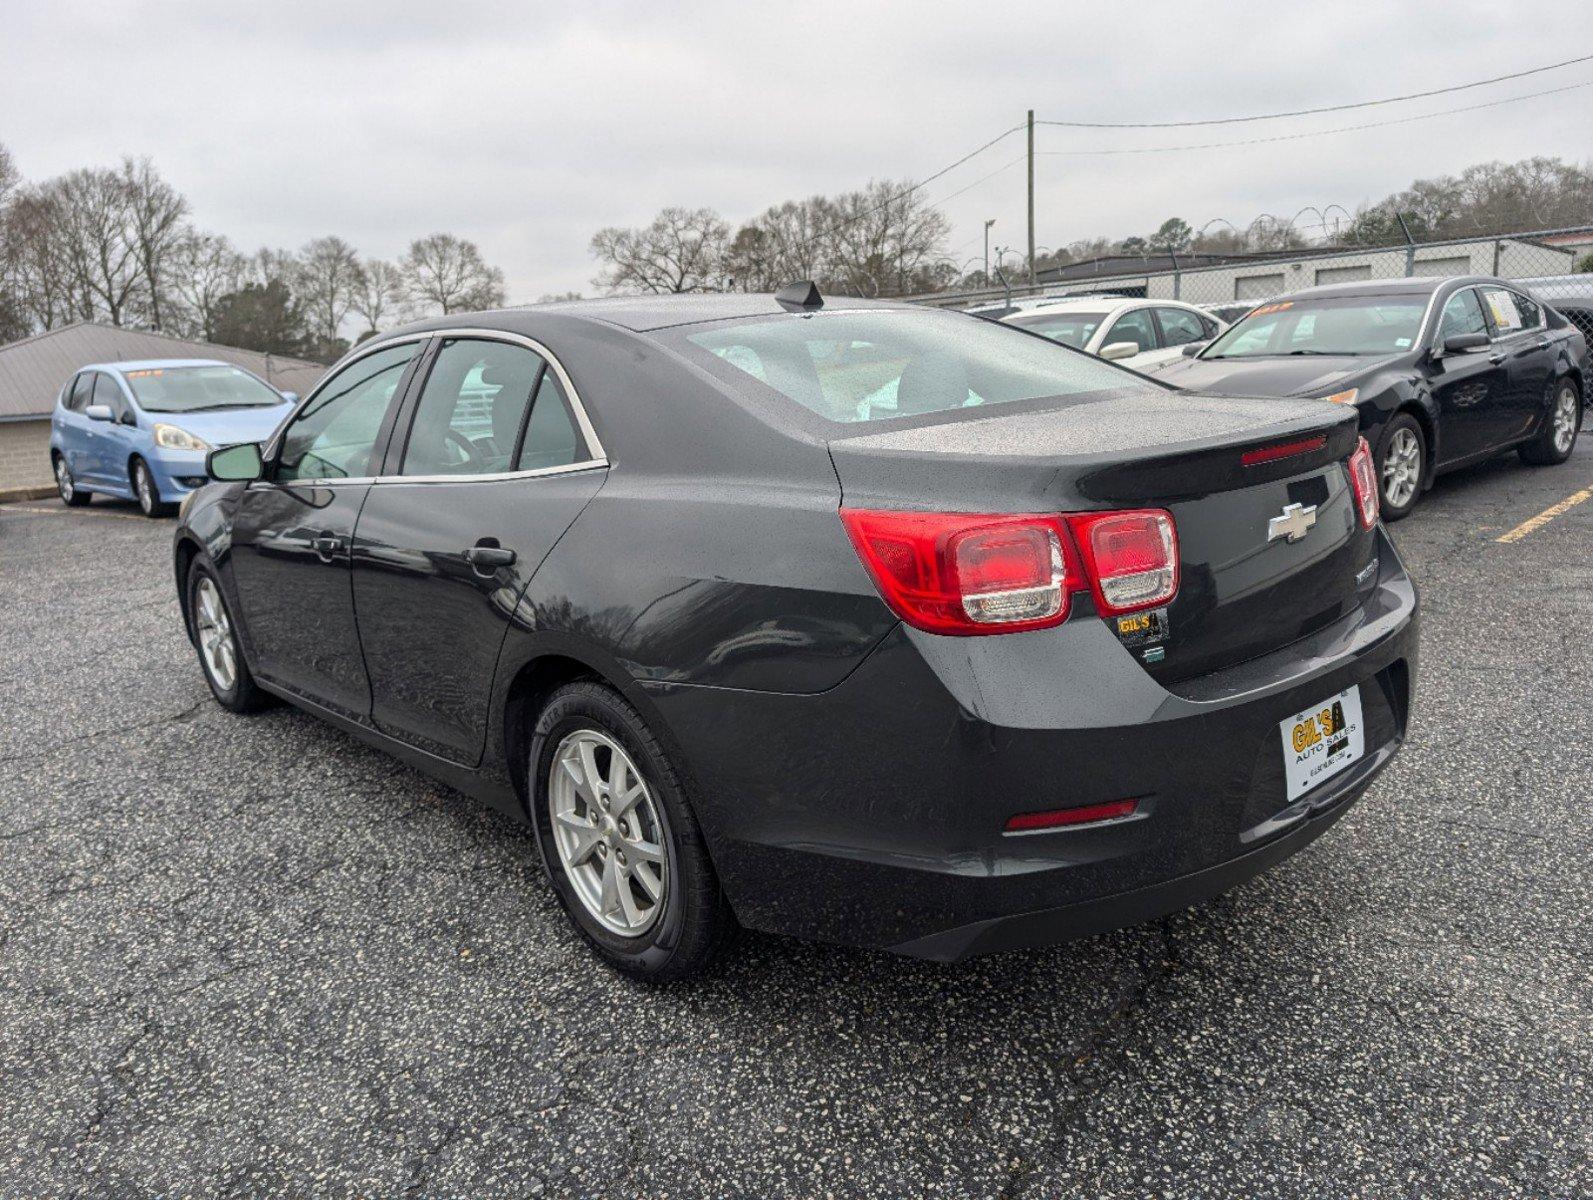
(327, 546)
(1496, 359)
(486, 556)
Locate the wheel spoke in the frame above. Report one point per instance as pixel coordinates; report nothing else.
(586, 835)
(649, 880)
(583, 787)
(647, 852)
(594, 777)
(608, 898)
(627, 898)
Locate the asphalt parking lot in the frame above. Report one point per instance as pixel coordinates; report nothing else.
(249, 956)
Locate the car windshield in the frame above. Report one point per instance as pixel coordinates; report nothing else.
(872, 366)
(1327, 325)
(1070, 328)
(198, 389)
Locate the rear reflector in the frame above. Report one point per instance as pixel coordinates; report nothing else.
(1363, 479)
(1056, 818)
(1131, 558)
(1266, 454)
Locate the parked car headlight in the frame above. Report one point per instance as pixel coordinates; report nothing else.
(173, 438)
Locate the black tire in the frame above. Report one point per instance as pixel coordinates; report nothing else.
(1551, 446)
(693, 922)
(1407, 490)
(145, 493)
(242, 695)
(66, 487)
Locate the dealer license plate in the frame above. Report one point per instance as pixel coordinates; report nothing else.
(1322, 741)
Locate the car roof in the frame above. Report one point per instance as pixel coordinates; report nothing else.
(1412, 285)
(1108, 304)
(155, 364)
(643, 313)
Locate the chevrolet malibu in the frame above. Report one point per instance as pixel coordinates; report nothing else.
(1043, 649)
(140, 430)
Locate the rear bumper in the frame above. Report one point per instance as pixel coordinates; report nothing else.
(873, 813)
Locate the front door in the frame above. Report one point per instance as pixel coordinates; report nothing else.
(491, 473)
(293, 531)
(1470, 387)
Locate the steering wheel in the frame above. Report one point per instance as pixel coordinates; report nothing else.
(472, 454)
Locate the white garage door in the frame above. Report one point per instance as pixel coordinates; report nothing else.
(1257, 287)
(1460, 265)
(1343, 274)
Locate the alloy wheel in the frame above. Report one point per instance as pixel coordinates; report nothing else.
(1402, 468)
(609, 832)
(144, 487)
(1564, 419)
(63, 480)
(216, 644)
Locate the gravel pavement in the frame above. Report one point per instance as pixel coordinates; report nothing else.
(251, 957)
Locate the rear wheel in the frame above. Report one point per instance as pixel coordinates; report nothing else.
(216, 639)
(145, 491)
(71, 494)
(1558, 439)
(1402, 466)
(619, 841)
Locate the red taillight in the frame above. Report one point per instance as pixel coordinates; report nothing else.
(1056, 818)
(965, 573)
(971, 573)
(1265, 454)
(1131, 558)
(1363, 480)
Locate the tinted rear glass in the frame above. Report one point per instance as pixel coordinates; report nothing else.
(871, 366)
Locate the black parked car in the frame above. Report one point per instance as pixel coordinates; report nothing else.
(1444, 372)
(869, 623)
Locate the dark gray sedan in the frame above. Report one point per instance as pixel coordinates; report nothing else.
(859, 622)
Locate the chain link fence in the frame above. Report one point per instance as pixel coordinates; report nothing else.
(1554, 264)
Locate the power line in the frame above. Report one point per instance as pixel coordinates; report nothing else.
(1327, 108)
(1294, 137)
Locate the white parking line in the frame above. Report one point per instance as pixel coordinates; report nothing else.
(67, 512)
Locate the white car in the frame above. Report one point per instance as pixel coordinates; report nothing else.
(1141, 334)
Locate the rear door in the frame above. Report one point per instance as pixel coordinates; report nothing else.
(1518, 323)
(292, 533)
(1470, 388)
(1177, 327)
(491, 465)
(76, 436)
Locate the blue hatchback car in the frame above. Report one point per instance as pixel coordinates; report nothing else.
(141, 430)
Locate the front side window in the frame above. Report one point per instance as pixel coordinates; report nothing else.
(1180, 327)
(849, 366)
(107, 393)
(1462, 314)
(334, 434)
(199, 389)
(1133, 327)
(1352, 325)
(472, 409)
(1070, 328)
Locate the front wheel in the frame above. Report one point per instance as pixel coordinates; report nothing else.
(216, 639)
(1402, 466)
(71, 494)
(622, 849)
(1558, 439)
(145, 491)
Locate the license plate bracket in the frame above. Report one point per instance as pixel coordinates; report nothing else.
(1321, 741)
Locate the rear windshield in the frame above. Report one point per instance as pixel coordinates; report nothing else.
(872, 366)
(1070, 328)
(196, 389)
(1329, 325)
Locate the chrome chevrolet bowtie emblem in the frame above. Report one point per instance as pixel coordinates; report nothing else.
(1293, 524)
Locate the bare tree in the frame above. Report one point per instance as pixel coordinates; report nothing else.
(204, 268)
(93, 217)
(784, 244)
(328, 279)
(379, 293)
(885, 240)
(154, 211)
(682, 250)
(448, 273)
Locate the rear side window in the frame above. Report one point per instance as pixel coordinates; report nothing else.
(1509, 312)
(551, 439)
(1180, 327)
(850, 366)
(82, 388)
(472, 409)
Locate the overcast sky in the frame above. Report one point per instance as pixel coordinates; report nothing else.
(528, 126)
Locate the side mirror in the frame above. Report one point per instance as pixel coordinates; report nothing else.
(291, 397)
(1465, 343)
(236, 464)
(1116, 350)
(99, 412)
(1193, 348)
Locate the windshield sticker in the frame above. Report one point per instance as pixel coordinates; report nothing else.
(1272, 308)
(1402, 343)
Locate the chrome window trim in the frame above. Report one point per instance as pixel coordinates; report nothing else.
(598, 459)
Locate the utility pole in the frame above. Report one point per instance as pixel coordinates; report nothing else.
(988, 224)
(1031, 196)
